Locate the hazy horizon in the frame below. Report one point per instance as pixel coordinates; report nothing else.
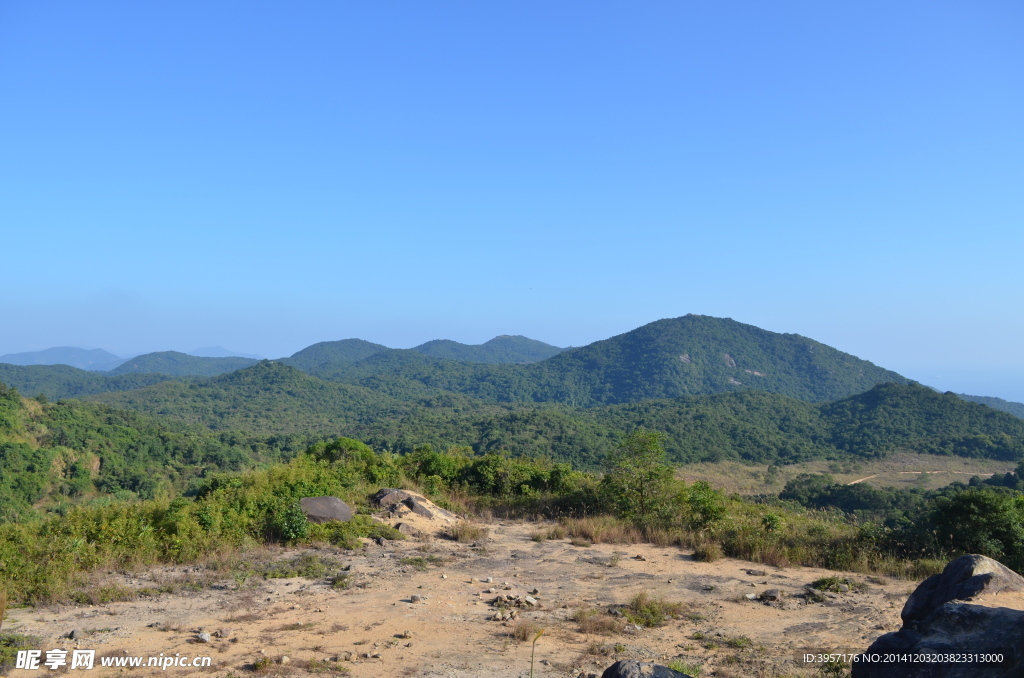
(264, 177)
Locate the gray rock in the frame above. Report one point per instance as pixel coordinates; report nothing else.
(631, 668)
(323, 509)
(76, 634)
(388, 497)
(530, 600)
(420, 509)
(407, 529)
(940, 617)
(772, 594)
(203, 637)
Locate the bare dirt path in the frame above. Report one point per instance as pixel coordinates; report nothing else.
(374, 628)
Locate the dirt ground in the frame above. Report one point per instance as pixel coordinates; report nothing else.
(373, 628)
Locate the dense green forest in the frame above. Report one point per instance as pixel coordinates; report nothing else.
(55, 454)
(274, 399)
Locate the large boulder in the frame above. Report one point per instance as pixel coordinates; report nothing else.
(631, 668)
(975, 607)
(323, 509)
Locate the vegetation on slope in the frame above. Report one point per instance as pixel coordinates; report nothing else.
(637, 498)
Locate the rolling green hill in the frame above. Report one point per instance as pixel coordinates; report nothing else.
(503, 349)
(180, 365)
(345, 351)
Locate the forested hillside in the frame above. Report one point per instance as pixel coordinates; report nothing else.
(61, 381)
(272, 399)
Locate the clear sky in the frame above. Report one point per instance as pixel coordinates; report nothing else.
(267, 175)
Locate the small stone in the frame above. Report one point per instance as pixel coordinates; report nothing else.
(223, 633)
(415, 598)
(534, 592)
(444, 576)
(843, 588)
(772, 594)
(203, 637)
(756, 573)
(530, 600)
(285, 659)
(75, 634)
(488, 580)
(751, 596)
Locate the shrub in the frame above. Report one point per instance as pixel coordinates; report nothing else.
(646, 610)
(707, 552)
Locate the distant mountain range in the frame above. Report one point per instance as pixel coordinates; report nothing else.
(84, 359)
(180, 365)
(671, 358)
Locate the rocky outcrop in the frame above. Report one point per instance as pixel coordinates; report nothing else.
(389, 496)
(974, 608)
(631, 668)
(402, 502)
(323, 509)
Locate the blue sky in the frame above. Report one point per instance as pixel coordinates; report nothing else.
(267, 175)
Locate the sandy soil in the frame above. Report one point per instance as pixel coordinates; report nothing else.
(373, 628)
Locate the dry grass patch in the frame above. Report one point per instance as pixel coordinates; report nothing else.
(595, 621)
(602, 530)
(525, 630)
(464, 532)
